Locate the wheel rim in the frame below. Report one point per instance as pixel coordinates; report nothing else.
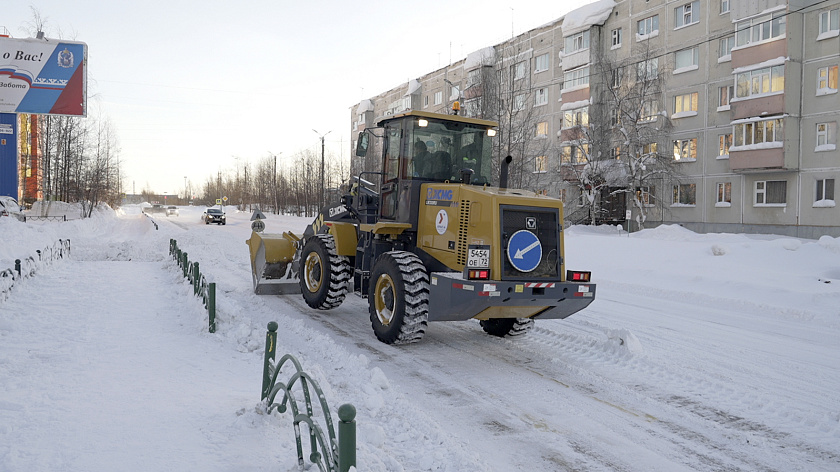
(384, 300)
(312, 274)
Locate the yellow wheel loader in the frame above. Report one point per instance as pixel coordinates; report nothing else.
(429, 239)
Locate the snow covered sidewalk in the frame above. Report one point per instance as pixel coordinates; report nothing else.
(103, 367)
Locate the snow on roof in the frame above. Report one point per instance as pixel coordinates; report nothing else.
(595, 13)
(482, 57)
(365, 105)
(413, 87)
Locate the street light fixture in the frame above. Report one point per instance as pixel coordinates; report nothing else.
(321, 195)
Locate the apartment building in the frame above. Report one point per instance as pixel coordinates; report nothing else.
(747, 108)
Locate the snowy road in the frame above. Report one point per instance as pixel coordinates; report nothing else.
(725, 362)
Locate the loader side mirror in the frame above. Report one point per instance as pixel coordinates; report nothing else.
(362, 144)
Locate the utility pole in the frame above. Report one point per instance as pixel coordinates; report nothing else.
(321, 193)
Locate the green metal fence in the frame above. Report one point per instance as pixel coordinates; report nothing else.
(29, 266)
(201, 288)
(335, 455)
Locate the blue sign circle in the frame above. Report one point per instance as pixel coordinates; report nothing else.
(524, 251)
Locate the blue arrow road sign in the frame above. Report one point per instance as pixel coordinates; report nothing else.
(524, 251)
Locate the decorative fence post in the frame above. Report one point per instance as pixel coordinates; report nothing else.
(17, 266)
(270, 350)
(346, 437)
(195, 275)
(211, 305)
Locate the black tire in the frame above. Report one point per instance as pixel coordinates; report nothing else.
(324, 275)
(502, 327)
(398, 298)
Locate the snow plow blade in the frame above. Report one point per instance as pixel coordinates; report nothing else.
(273, 264)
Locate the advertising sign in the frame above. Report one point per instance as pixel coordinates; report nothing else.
(8, 155)
(43, 76)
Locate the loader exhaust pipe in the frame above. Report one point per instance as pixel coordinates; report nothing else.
(503, 172)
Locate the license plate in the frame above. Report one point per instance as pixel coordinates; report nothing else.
(478, 258)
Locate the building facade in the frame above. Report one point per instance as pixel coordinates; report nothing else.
(743, 114)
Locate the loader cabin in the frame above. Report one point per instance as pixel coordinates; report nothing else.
(421, 147)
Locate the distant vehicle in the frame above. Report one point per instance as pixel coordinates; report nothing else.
(213, 215)
(156, 208)
(171, 210)
(9, 207)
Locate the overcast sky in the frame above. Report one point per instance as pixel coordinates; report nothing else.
(190, 86)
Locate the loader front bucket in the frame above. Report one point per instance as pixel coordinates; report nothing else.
(273, 265)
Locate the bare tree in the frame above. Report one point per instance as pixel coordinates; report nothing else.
(623, 149)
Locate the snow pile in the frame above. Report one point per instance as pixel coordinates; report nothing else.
(595, 13)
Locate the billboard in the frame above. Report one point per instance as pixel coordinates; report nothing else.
(43, 76)
(8, 155)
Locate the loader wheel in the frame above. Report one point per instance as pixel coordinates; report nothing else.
(399, 298)
(324, 275)
(502, 327)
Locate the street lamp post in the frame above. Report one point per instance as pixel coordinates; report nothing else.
(186, 198)
(321, 195)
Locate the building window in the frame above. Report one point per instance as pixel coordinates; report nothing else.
(649, 112)
(577, 42)
(687, 14)
(760, 81)
(724, 143)
(472, 107)
(519, 102)
(646, 195)
(540, 164)
(770, 192)
(473, 77)
(825, 136)
(725, 94)
(685, 194)
(519, 70)
(749, 133)
(574, 154)
(724, 6)
(615, 117)
(826, 80)
(825, 191)
(648, 70)
(615, 153)
(576, 117)
(829, 23)
(647, 28)
(685, 149)
(576, 78)
(438, 98)
(687, 59)
(616, 78)
(541, 96)
(724, 194)
(725, 46)
(541, 63)
(685, 104)
(616, 38)
(649, 148)
(425, 101)
(761, 28)
(542, 129)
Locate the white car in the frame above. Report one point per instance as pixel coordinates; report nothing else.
(9, 207)
(171, 210)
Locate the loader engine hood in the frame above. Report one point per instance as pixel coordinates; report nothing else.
(522, 230)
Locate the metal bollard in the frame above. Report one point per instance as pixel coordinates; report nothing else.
(346, 437)
(211, 305)
(196, 277)
(270, 350)
(17, 266)
(185, 264)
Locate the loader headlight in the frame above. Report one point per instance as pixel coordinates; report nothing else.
(491, 132)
